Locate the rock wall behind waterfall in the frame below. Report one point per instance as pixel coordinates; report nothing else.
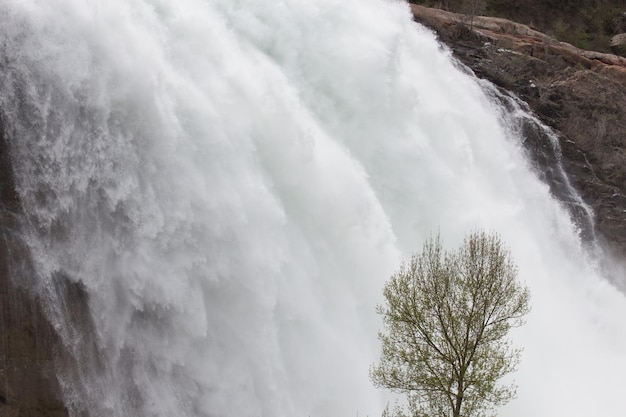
(28, 343)
(581, 94)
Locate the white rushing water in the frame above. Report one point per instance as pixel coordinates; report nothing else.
(232, 181)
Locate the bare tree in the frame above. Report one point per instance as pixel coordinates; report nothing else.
(446, 318)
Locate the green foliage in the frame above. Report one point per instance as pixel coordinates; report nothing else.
(470, 7)
(446, 316)
(590, 23)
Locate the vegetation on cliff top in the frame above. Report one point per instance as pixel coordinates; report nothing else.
(587, 24)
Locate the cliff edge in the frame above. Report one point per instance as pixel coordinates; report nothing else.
(580, 94)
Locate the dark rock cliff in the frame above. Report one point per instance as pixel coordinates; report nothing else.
(28, 343)
(581, 94)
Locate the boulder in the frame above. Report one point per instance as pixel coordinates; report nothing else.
(618, 40)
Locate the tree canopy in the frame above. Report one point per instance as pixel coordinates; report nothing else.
(446, 317)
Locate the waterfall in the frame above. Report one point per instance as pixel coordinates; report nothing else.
(231, 182)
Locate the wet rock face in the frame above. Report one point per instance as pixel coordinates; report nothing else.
(28, 383)
(581, 94)
(594, 126)
(28, 343)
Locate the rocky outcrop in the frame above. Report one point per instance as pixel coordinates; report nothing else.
(28, 343)
(581, 94)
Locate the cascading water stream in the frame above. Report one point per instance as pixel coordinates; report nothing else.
(231, 182)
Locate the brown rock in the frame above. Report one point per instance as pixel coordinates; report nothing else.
(28, 343)
(581, 94)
